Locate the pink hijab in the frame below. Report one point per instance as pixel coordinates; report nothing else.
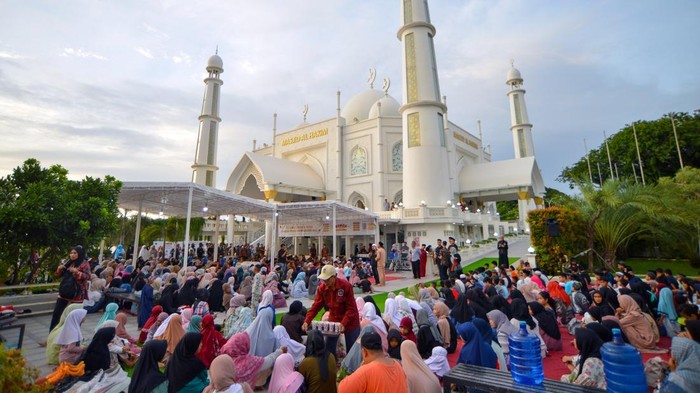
(247, 365)
(186, 316)
(121, 328)
(284, 378)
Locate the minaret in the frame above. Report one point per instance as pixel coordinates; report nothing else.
(521, 127)
(204, 168)
(425, 177)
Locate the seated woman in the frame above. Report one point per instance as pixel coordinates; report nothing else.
(418, 376)
(685, 374)
(369, 317)
(549, 327)
(499, 321)
(122, 319)
(224, 378)
(155, 312)
(185, 371)
(437, 362)
(490, 339)
(406, 329)
(147, 377)
(97, 354)
(195, 324)
(171, 331)
(295, 349)
(284, 379)
(639, 327)
(293, 321)
(428, 336)
(52, 349)
(668, 317)
(249, 368)
(262, 340)
(152, 330)
(588, 370)
(109, 315)
(394, 339)
(521, 312)
(318, 367)
(445, 327)
(70, 336)
(212, 341)
(475, 351)
(299, 286)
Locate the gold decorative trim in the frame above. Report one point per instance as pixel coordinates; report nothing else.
(413, 120)
(411, 73)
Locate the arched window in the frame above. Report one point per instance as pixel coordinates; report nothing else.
(398, 198)
(397, 157)
(358, 161)
(358, 200)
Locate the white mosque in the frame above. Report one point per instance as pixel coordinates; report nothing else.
(376, 151)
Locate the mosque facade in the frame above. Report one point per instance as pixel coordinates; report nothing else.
(425, 176)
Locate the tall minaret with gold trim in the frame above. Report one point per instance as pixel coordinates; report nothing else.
(425, 177)
(204, 168)
(519, 120)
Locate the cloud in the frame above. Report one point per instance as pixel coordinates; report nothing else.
(11, 55)
(144, 52)
(182, 57)
(81, 53)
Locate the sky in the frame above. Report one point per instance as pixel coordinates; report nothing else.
(115, 88)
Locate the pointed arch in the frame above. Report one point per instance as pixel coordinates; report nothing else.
(315, 165)
(398, 197)
(358, 200)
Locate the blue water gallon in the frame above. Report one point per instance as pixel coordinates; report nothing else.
(624, 371)
(525, 357)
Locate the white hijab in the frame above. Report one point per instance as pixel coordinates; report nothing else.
(266, 299)
(369, 313)
(71, 333)
(294, 348)
(391, 311)
(437, 362)
(161, 329)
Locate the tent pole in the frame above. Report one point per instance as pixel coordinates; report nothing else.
(136, 235)
(186, 248)
(216, 240)
(335, 241)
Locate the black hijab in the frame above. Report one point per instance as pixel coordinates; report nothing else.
(370, 299)
(516, 294)
(394, 353)
(183, 366)
(168, 297)
(479, 303)
(546, 320)
(147, 375)
(693, 327)
(316, 347)
(500, 303)
(609, 297)
(295, 308)
(521, 312)
(97, 355)
(462, 311)
(485, 330)
(602, 331)
(186, 294)
(610, 324)
(588, 344)
(216, 296)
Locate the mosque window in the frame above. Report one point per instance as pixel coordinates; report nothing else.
(521, 143)
(358, 161)
(407, 11)
(397, 157)
(441, 129)
(516, 108)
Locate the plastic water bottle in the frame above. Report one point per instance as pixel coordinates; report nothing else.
(624, 371)
(525, 357)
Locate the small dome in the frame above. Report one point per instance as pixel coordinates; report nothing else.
(514, 77)
(357, 108)
(215, 62)
(390, 107)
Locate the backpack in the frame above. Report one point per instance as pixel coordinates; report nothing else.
(68, 289)
(445, 257)
(581, 302)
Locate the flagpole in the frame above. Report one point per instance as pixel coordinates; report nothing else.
(588, 159)
(612, 174)
(639, 156)
(678, 146)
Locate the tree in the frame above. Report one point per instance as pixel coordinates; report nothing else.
(552, 251)
(42, 210)
(656, 144)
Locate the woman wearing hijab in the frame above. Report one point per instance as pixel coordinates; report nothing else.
(266, 303)
(186, 315)
(293, 321)
(603, 332)
(195, 324)
(256, 291)
(152, 330)
(521, 312)
(146, 306)
(122, 319)
(462, 311)
(394, 339)
(216, 295)
(475, 351)
(236, 304)
(419, 377)
(600, 303)
(187, 294)
(549, 327)
(668, 317)
(109, 315)
(295, 349)
(313, 285)
(589, 370)
(172, 332)
(260, 332)
(249, 368)
(428, 336)
(155, 312)
(391, 314)
(685, 374)
(212, 341)
(404, 310)
(437, 362)
(70, 336)
(168, 298)
(479, 303)
(406, 329)
(185, 372)
(147, 377)
(639, 327)
(224, 378)
(499, 302)
(499, 321)
(490, 339)
(97, 355)
(370, 317)
(299, 286)
(284, 379)
(370, 299)
(447, 330)
(318, 367)
(52, 349)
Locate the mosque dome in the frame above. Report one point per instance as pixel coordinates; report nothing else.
(514, 77)
(215, 62)
(357, 108)
(390, 107)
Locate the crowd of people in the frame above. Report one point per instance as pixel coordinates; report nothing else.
(213, 326)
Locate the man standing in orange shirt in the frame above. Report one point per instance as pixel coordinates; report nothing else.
(381, 264)
(378, 372)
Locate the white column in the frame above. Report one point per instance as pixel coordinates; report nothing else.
(274, 236)
(216, 237)
(186, 248)
(229, 228)
(335, 239)
(136, 235)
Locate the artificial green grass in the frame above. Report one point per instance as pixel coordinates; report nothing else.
(682, 266)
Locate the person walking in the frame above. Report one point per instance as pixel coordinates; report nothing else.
(337, 295)
(381, 264)
(75, 274)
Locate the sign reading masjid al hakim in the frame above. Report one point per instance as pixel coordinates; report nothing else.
(305, 137)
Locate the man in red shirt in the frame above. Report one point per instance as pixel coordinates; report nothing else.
(336, 294)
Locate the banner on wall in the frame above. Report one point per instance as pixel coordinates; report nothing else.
(342, 228)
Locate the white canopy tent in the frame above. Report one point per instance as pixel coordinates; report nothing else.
(181, 199)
